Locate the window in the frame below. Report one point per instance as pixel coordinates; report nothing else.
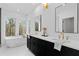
(10, 27)
(22, 28)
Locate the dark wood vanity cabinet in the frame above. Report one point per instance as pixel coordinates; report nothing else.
(66, 51)
(41, 47)
(28, 42)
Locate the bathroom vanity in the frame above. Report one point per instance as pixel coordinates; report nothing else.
(44, 46)
(66, 21)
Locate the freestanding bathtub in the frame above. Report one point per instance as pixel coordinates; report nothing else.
(15, 41)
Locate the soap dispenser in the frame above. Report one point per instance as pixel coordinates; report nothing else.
(45, 32)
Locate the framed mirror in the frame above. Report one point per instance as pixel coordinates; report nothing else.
(38, 23)
(78, 17)
(65, 18)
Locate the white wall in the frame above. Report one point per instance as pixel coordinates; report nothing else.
(48, 19)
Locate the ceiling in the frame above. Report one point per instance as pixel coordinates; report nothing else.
(24, 8)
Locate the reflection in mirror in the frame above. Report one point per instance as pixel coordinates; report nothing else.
(68, 25)
(38, 20)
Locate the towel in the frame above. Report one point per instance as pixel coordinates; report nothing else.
(58, 46)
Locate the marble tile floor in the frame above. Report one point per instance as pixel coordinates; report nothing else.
(17, 51)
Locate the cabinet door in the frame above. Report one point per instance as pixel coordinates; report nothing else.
(47, 48)
(50, 51)
(28, 43)
(43, 48)
(66, 51)
(33, 45)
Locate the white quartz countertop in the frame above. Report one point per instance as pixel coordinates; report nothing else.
(72, 44)
(68, 43)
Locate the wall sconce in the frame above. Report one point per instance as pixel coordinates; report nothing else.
(45, 6)
(41, 9)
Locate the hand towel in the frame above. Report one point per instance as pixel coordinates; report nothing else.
(58, 46)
